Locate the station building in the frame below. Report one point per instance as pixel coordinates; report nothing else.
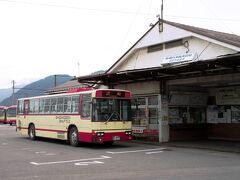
(185, 83)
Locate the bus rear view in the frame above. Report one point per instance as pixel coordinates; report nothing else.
(2, 114)
(11, 115)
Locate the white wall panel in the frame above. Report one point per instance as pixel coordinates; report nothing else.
(150, 87)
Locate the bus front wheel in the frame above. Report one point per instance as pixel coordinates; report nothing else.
(32, 132)
(73, 137)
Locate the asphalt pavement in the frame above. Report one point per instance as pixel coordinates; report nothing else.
(24, 159)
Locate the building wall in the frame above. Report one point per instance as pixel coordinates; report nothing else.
(151, 87)
(191, 120)
(138, 57)
(169, 33)
(207, 50)
(202, 49)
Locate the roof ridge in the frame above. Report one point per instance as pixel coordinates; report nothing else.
(228, 38)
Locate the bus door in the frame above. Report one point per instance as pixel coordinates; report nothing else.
(25, 108)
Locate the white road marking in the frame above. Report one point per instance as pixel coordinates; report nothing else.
(41, 152)
(50, 154)
(69, 161)
(153, 152)
(38, 152)
(136, 151)
(87, 163)
(4, 144)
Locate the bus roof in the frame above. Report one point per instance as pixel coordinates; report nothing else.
(72, 93)
(13, 106)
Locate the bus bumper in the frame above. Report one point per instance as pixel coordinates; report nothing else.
(101, 136)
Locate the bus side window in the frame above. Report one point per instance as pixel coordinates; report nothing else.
(26, 107)
(31, 106)
(86, 105)
(47, 105)
(20, 107)
(41, 106)
(36, 106)
(67, 104)
(60, 105)
(75, 104)
(53, 105)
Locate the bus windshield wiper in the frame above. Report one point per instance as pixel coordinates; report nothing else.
(113, 113)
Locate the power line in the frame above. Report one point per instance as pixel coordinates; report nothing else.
(204, 18)
(114, 11)
(78, 8)
(128, 30)
(215, 15)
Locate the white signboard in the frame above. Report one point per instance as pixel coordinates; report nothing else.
(228, 96)
(178, 58)
(138, 129)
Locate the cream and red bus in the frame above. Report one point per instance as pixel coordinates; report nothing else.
(11, 115)
(2, 114)
(88, 115)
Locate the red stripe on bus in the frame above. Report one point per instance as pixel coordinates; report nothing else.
(40, 129)
(50, 130)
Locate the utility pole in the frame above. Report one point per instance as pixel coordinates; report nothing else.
(78, 69)
(162, 10)
(13, 87)
(55, 80)
(160, 19)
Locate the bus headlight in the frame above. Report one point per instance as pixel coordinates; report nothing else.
(128, 133)
(100, 134)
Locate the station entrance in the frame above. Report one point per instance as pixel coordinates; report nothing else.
(205, 108)
(189, 101)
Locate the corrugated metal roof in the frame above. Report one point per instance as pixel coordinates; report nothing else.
(62, 88)
(231, 39)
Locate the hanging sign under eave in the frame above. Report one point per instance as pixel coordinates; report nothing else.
(178, 58)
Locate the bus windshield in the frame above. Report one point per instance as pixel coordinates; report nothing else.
(111, 110)
(11, 112)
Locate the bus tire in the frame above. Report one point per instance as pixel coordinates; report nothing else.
(32, 132)
(73, 137)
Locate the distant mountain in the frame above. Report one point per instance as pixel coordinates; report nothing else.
(4, 93)
(36, 88)
(98, 72)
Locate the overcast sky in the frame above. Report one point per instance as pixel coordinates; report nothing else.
(45, 37)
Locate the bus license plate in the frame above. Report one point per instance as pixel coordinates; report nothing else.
(116, 138)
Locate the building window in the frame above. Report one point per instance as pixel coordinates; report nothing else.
(145, 110)
(173, 44)
(155, 48)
